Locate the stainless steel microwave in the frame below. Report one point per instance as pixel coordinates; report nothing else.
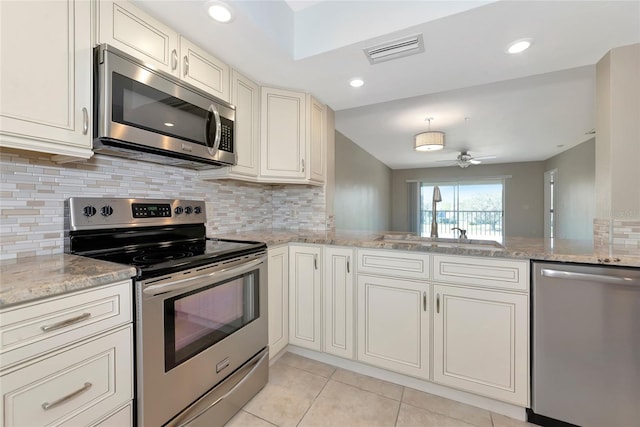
(145, 114)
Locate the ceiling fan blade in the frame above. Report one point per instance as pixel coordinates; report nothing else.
(484, 157)
(475, 161)
(442, 161)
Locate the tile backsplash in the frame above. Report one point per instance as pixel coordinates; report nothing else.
(33, 190)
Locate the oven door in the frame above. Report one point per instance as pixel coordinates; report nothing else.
(143, 108)
(194, 329)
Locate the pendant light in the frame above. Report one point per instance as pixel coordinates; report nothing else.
(429, 140)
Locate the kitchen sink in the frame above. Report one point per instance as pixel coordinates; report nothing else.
(442, 242)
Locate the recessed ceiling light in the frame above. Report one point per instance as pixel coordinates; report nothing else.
(356, 82)
(220, 11)
(519, 46)
(169, 124)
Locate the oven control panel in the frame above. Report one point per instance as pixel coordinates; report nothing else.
(151, 210)
(85, 213)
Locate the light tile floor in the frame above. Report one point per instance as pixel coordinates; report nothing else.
(303, 392)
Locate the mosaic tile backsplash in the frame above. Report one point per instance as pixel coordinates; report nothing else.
(33, 190)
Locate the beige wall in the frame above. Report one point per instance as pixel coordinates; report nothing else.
(362, 188)
(576, 191)
(524, 193)
(618, 134)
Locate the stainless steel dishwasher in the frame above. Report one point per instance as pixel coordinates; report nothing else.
(585, 345)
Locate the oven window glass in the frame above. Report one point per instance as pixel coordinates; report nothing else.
(136, 104)
(197, 320)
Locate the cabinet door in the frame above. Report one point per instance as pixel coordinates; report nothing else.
(46, 53)
(393, 324)
(481, 342)
(317, 140)
(278, 268)
(203, 70)
(245, 95)
(131, 30)
(338, 301)
(283, 135)
(304, 296)
(75, 386)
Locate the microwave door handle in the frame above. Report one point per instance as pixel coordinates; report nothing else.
(213, 112)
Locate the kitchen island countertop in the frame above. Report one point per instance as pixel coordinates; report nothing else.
(575, 251)
(31, 278)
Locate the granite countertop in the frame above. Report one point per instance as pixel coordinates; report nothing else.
(515, 247)
(28, 279)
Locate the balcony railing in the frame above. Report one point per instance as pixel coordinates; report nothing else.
(479, 224)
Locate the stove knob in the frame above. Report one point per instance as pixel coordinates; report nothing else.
(88, 210)
(197, 210)
(188, 210)
(179, 210)
(106, 210)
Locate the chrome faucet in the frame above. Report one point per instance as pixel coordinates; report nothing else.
(463, 233)
(437, 197)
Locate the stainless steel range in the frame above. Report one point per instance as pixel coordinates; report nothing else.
(201, 305)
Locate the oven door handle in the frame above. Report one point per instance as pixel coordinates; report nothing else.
(223, 274)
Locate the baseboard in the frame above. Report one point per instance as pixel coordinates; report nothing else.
(492, 405)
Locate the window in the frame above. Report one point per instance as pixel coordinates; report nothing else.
(473, 206)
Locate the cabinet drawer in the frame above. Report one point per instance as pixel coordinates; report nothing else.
(409, 265)
(485, 272)
(123, 417)
(32, 329)
(71, 387)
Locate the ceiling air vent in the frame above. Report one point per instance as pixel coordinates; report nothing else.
(395, 49)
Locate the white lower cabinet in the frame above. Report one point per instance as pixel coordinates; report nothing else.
(305, 296)
(338, 301)
(68, 360)
(278, 294)
(72, 387)
(393, 324)
(480, 342)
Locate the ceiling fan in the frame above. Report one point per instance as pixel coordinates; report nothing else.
(464, 159)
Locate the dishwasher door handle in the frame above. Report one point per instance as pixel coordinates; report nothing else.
(600, 278)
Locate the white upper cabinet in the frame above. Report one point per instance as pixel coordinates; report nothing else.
(131, 30)
(203, 70)
(245, 95)
(46, 82)
(317, 140)
(283, 135)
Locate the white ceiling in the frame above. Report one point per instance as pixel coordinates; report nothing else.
(522, 107)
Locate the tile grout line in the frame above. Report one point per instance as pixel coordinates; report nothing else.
(399, 406)
(314, 400)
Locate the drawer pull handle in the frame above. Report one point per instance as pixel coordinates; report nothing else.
(83, 316)
(47, 405)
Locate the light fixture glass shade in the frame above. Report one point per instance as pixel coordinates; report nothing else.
(429, 141)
